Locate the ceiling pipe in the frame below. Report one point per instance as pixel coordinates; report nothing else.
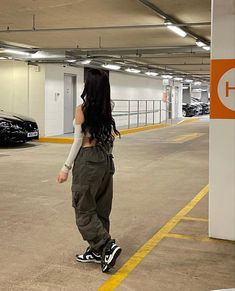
(147, 26)
(182, 64)
(167, 17)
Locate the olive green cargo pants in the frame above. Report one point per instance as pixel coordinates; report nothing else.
(92, 193)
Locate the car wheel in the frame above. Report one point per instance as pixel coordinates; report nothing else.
(184, 113)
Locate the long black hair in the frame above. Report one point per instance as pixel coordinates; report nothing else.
(97, 108)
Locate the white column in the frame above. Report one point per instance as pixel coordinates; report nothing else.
(222, 124)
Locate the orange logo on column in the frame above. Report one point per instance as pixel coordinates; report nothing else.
(223, 89)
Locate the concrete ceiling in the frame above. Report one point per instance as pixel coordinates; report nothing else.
(130, 30)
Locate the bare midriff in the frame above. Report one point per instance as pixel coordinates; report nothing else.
(86, 142)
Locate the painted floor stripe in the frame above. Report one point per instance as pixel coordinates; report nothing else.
(186, 137)
(195, 218)
(198, 238)
(188, 237)
(191, 120)
(130, 265)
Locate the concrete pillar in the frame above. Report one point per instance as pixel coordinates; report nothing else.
(187, 95)
(222, 124)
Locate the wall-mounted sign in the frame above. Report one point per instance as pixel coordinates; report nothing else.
(223, 89)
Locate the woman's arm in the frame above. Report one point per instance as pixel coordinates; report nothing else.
(77, 141)
(79, 119)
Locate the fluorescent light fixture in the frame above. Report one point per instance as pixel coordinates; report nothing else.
(111, 66)
(207, 48)
(166, 76)
(151, 73)
(47, 55)
(178, 79)
(86, 62)
(131, 70)
(185, 87)
(175, 29)
(71, 61)
(200, 43)
(11, 51)
(188, 81)
(38, 55)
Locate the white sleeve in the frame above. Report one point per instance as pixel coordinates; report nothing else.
(77, 142)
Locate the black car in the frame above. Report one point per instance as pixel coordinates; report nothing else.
(189, 110)
(205, 106)
(16, 128)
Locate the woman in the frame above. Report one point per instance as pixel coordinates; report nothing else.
(93, 169)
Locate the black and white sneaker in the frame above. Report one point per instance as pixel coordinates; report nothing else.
(110, 254)
(89, 257)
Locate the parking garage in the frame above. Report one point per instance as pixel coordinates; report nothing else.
(170, 66)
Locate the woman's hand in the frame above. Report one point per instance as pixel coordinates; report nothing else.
(62, 177)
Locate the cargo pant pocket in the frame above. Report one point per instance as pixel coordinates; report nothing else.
(78, 194)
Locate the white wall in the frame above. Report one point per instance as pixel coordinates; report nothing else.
(133, 87)
(36, 88)
(22, 90)
(123, 86)
(129, 86)
(54, 96)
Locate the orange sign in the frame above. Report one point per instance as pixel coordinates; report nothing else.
(222, 89)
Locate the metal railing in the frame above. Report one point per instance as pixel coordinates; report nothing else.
(146, 111)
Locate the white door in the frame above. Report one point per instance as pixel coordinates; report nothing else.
(69, 102)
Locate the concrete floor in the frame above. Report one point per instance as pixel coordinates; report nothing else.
(157, 173)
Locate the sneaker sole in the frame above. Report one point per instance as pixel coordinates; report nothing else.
(87, 261)
(112, 261)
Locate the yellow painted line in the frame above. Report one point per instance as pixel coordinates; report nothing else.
(123, 132)
(191, 120)
(198, 238)
(56, 139)
(143, 128)
(195, 218)
(130, 265)
(185, 137)
(188, 237)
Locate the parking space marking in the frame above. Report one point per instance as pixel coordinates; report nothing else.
(186, 137)
(198, 238)
(116, 279)
(191, 120)
(195, 218)
(188, 237)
